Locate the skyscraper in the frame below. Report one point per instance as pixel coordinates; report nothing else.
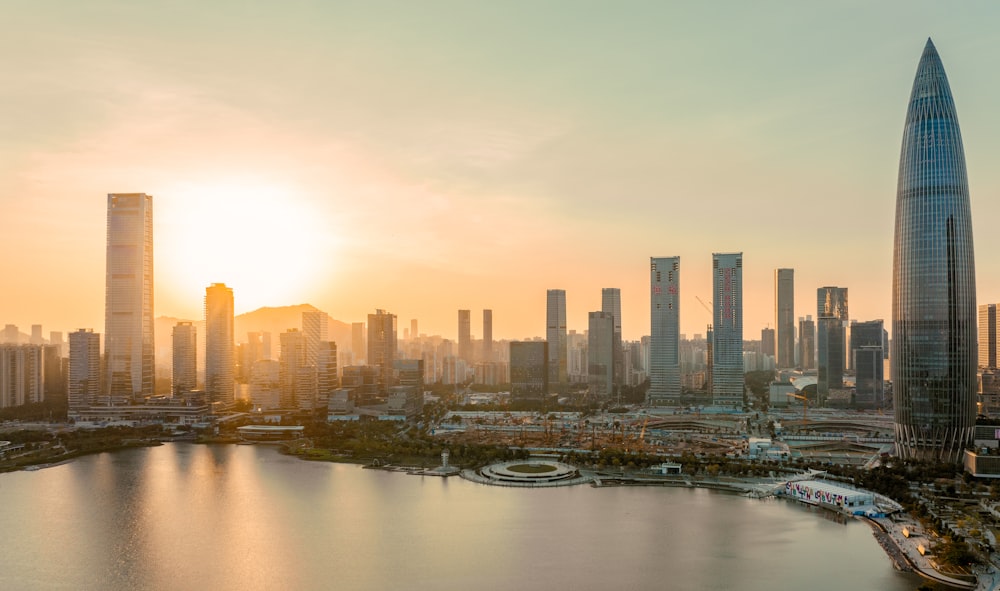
(358, 346)
(465, 335)
(933, 277)
(784, 317)
(84, 381)
(382, 346)
(185, 361)
(529, 370)
(807, 343)
(555, 335)
(487, 335)
(988, 336)
(664, 315)
(315, 327)
(868, 348)
(832, 316)
(727, 321)
(601, 354)
(219, 358)
(611, 303)
(128, 297)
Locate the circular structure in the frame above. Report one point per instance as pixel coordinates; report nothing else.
(531, 473)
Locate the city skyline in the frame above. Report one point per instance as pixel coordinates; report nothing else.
(487, 160)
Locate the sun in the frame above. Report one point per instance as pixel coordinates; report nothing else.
(264, 240)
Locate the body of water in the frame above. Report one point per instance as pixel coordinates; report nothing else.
(186, 516)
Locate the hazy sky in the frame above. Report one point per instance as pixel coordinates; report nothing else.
(427, 156)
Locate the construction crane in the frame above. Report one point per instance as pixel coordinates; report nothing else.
(707, 307)
(805, 405)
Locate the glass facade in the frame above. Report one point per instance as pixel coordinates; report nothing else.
(128, 297)
(664, 315)
(727, 317)
(784, 316)
(555, 335)
(934, 283)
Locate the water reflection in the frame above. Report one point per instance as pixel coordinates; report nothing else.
(184, 516)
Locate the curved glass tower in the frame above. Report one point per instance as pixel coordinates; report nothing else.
(933, 278)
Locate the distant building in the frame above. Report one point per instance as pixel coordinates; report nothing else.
(326, 372)
(84, 380)
(727, 352)
(555, 335)
(611, 304)
(293, 361)
(128, 305)
(600, 354)
(988, 323)
(465, 335)
(358, 346)
(807, 343)
(784, 317)
(382, 346)
(22, 375)
(767, 342)
(219, 341)
(185, 358)
(487, 336)
(315, 330)
(832, 317)
(664, 314)
(529, 370)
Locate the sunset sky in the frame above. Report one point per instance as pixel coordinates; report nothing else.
(427, 156)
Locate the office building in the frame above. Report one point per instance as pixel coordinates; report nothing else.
(611, 304)
(185, 358)
(555, 335)
(84, 380)
(727, 324)
(988, 336)
(600, 354)
(869, 351)
(326, 372)
(767, 345)
(831, 350)
(219, 341)
(529, 370)
(382, 346)
(359, 348)
(315, 330)
(487, 336)
(934, 278)
(807, 343)
(293, 371)
(128, 297)
(465, 335)
(664, 313)
(784, 317)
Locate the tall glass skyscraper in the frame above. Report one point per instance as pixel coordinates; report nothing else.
(128, 297)
(727, 320)
(219, 358)
(933, 277)
(555, 335)
(664, 319)
(784, 316)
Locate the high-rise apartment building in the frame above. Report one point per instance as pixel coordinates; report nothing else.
(465, 335)
(727, 322)
(601, 354)
(988, 336)
(326, 372)
(664, 315)
(487, 336)
(22, 375)
(219, 341)
(767, 344)
(784, 317)
(555, 335)
(933, 277)
(128, 297)
(294, 390)
(185, 358)
(611, 303)
(382, 346)
(84, 380)
(831, 320)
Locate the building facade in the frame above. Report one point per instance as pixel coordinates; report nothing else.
(529, 370)
(487, 336)
(988, 336)
(465, 335)
(807, 343)
(831, 345)
(727, 329)
(219, 341)
(84, 380)
(611, 304)
(184, 376)
(555, 335)
(600, 354)
(784, 317)
(933, 277)
(128, 297)
(664, 341)
(382, 346)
